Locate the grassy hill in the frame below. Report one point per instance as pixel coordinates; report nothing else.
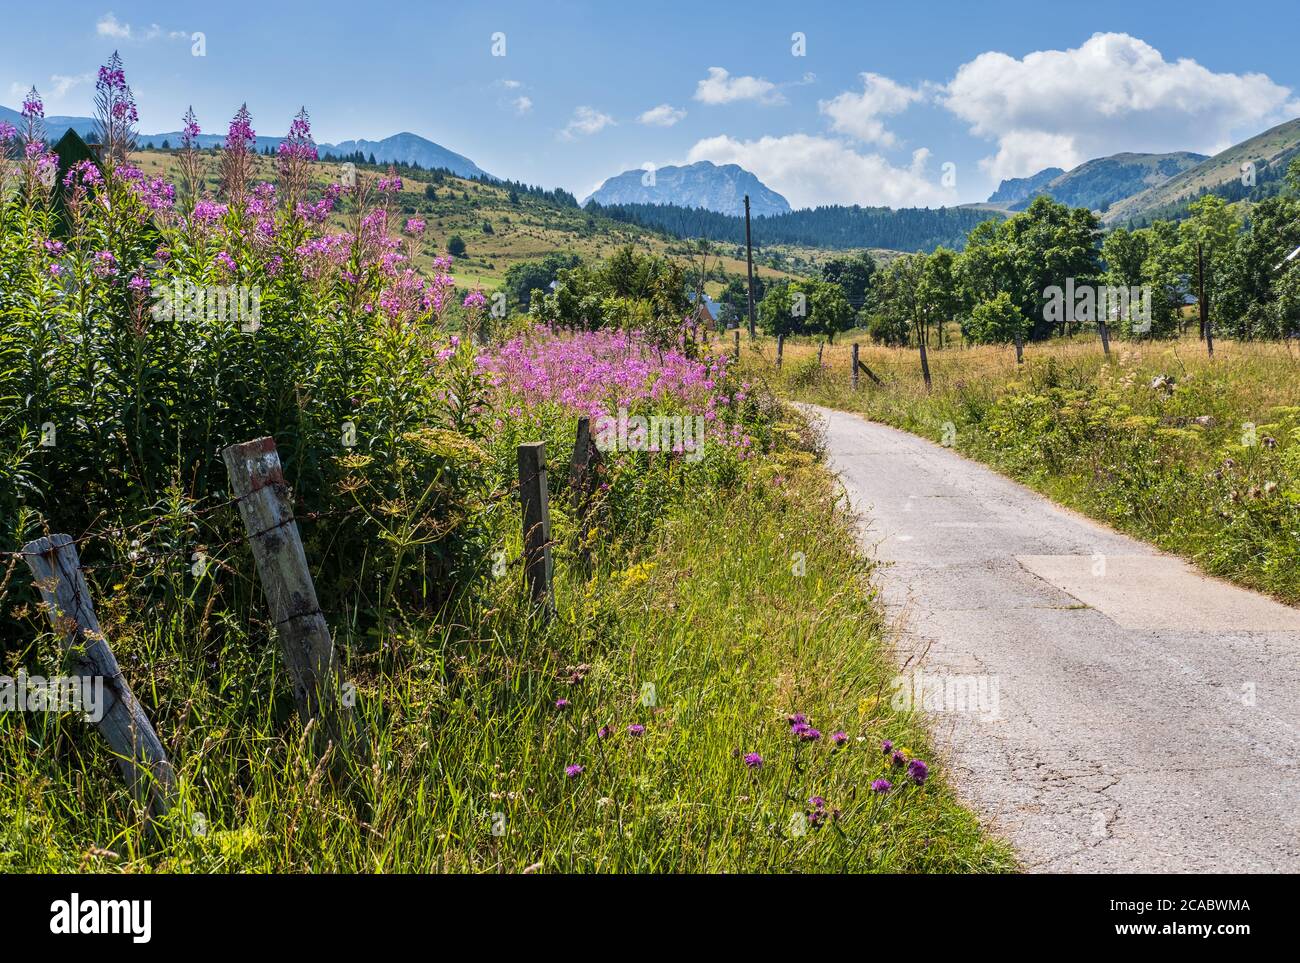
(499, 232)
(1270, 151)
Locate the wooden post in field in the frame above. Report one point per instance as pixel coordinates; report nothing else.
(582, 484)
(140, 756)
(749, 262)
(735, 351)
(1020, 348)
(854, 378)
(266, 506)
(820, 345)
(537, 523)
(1203, 302)
(1105, 334)
(780, 349)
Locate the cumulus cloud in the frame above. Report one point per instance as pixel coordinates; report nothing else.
(1112, 93)
(858, 114)
(61, 84)
(109, 26)
(665, 115)
(523, 104)
(585, 121)
(719, 87)
(812, 170)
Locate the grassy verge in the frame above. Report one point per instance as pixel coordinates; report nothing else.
(705, 635)
(1199, 456)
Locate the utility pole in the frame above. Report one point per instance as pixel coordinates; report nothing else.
(749, 260)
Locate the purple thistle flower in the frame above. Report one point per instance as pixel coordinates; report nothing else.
(900, 760)
(886, 747)
(573, 771)
(753, 760)
(839, 737)
(918, 771)
(797, 719)
(817, 802)
(604, 732)
(882, 786)
(635, 729)
(807, 733)
(561, 703)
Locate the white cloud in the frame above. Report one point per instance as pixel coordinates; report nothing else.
(722, 88)
(665, 115)
(859, 114)
(811, 171)
(1112, 93)
(510, 84)
(110, 26)
(586, 120)
(60, 84)
(523, 104)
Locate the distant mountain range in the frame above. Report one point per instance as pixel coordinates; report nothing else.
(1097, 184)
(403, 148)
(1269, 153)
(706, 185)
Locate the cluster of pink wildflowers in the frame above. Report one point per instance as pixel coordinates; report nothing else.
(598, 372)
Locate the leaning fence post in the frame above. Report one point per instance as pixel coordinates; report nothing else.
(820, 345)
(780, 349)
(855, 366)
(57, 569)
(265, 504)
(537, 522)
(735, 351)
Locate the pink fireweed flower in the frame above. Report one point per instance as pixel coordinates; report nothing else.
(33, 108)
(240, 137)
(139, 284)
(207, 212)
(104, 264)
(225, 263)
(84, 173)
(298, 145)
(7, 131)
(415, 226)
(191, 130)
(475, 300)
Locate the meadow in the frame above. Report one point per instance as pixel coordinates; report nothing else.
(1198, 455)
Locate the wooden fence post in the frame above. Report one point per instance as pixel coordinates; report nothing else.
(855, 366)
(534, 497)
(140, 756)
(780, 349)
(820, 346)
(735, 351)
(582, 484)
(266, 506)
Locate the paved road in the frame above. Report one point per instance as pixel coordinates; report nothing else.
(1134, 714)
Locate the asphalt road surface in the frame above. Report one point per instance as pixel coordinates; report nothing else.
(1102, 706)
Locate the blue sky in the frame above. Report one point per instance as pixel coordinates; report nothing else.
(883, 97)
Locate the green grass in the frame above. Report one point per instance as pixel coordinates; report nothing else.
(460, 713)
(1176, 464)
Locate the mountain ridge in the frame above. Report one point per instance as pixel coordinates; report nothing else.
(400, 148)
(712, 187)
